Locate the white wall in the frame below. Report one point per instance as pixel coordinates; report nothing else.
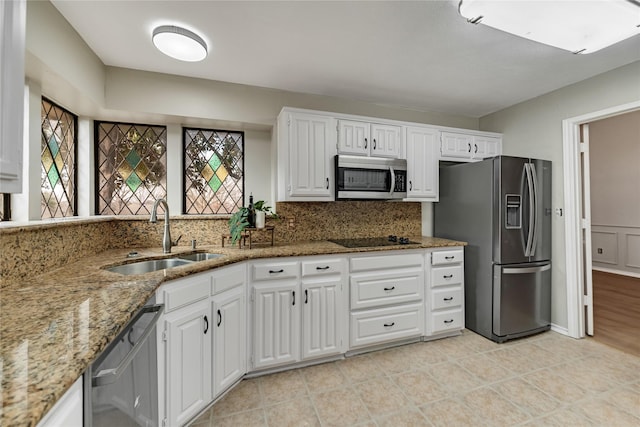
(534, 128)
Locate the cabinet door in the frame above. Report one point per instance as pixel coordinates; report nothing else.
(12, 48)
(385, 140)
(321, 308)
(486, 146)
(276, 324)
(456, 145)
(353, 137)
(311, 152)
(422, 163)
(188, 361)
(229, 334)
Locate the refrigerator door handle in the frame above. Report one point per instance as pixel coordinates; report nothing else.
(536, 200)
(528, 250)
(525, 270)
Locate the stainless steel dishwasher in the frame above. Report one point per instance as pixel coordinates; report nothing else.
(121, 385)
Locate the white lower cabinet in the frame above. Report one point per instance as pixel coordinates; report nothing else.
(276, 333)
(67, 411)
(445, 293)
(298, 310)
(189, 361)
(387, 298)
(228, 339)
(202, 338)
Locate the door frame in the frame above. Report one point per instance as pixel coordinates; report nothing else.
(574, 261)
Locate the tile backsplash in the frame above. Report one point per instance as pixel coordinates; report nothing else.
(35, 249)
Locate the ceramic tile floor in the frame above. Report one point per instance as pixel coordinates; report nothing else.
(545, 380)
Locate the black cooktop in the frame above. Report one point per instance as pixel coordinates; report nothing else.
(369, 242)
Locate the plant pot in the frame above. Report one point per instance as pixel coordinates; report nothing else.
(260, 219)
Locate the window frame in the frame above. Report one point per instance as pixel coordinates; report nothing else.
(96, 159)
(74, 203)
(183, 189)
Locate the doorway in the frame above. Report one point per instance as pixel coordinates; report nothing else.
(577, 217)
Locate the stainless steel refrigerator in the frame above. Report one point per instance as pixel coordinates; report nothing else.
(502, 208)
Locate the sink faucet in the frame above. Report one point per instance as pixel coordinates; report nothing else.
(166, 238)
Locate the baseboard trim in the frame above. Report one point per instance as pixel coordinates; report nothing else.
(615, 271)
(559, 329)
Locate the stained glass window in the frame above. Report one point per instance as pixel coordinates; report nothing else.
(58, 160)
(5, 207)
(131, 167)
(213, 171)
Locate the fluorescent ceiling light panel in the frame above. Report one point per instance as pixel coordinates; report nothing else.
(179, 43)
(579, 26)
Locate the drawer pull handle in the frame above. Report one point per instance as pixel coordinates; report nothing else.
(390, 289)
(448, 276)
(450, 257)
(448, 299)
(448, 321)
(276, 271)
(388, 325)
(323, 268)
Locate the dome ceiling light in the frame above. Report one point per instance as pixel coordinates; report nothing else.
(179, 43)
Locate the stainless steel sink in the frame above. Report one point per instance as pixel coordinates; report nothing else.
(143, 267)
(200, 256)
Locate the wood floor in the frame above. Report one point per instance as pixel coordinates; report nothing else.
(616, 311)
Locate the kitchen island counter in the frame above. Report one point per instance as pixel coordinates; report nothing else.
(53, 325)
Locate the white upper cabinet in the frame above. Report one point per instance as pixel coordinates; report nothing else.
(422, 164)
(12, 48)
(462, 146)
(306, 149)
(369, 139)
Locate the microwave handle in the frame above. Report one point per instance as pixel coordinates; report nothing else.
(393, 180)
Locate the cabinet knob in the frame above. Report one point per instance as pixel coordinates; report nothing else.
(306, 297)
(476, 148)
(469, 145)
(365, 143)
(206, 324)
(374, 143)
(327, 183)
(410, 186)
(293, 294)
(219, 318)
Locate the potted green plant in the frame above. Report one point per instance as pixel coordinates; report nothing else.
(240, 220)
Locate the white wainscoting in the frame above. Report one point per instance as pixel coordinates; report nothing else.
(616, 249)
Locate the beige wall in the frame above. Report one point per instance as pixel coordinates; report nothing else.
(534, 128)
(614, 145)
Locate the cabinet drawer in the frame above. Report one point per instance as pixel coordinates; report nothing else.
(386, 262)
(446, 320)
(322, 266)
(279, 270)
(443, 276)
(447, 257)
(379, 290)
(446, 298)
(186, 291)
(386, 324)
(227, 278)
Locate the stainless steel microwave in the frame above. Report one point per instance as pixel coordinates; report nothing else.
(370, 178)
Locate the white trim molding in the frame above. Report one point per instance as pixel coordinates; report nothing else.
(572, 202)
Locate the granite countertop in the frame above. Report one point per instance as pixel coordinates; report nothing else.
(52, 326)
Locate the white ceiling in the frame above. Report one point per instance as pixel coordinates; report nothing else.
(416, 54)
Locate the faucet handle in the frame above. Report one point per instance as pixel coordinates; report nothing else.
(175, 243)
